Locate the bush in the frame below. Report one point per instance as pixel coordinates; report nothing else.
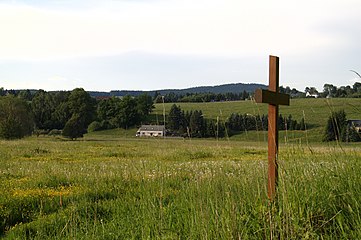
(55, 132)
(95, 126)
(39, 132)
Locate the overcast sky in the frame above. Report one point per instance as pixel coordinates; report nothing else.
(157, 44)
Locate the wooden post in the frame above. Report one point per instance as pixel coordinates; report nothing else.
(274, 99)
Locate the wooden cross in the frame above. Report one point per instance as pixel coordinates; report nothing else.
(273, 98)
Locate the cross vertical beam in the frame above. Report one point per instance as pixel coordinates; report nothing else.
(273, 128)
(274, 99)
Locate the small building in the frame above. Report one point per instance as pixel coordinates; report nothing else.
(312, 95)
(151, 131)
(356, 124)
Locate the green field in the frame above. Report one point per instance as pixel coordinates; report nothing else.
(108, 186)
(112, 185)
(314, 111)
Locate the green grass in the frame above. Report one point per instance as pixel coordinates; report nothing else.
(315, 112)
(112, 186)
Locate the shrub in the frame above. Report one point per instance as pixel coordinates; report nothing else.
(55, 132)
(95, 126)
(39, 132)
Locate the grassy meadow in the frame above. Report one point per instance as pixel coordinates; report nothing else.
(112, 185)
(314, 111)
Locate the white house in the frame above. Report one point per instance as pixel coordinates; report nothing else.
(151, 131)
(312, 95)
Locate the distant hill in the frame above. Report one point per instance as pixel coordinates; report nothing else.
(225, 88)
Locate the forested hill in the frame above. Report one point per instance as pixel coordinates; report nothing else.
(226, 88)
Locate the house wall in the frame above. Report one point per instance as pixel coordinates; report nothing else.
(151, 134)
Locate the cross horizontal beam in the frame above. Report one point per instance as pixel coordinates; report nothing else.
(270, 97)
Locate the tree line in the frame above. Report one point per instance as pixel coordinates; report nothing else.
(73, 112)
(329, 90)
(200, 97)
(193, 124)
(246, 122)
(332, 91)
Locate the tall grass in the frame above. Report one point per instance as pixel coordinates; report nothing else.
(120, 188)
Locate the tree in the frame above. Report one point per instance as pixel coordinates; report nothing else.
(329, 90)
(2, 91)
(61, 112)
(81, 107)
(245, 95)
(25, 94)
(128, 114)
(233, 123)
(145, 104)
(157, 98)
(80, 102)
(107, 111)
(357, 87)
(213, 129)
(291, 124)
(75, 127)
(16, 120)
(336, 127)
(196, 124)
(301, 125)
(42, 108)
(175, 119)
(286, 90)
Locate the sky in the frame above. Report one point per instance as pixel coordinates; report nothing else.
(170, 44)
